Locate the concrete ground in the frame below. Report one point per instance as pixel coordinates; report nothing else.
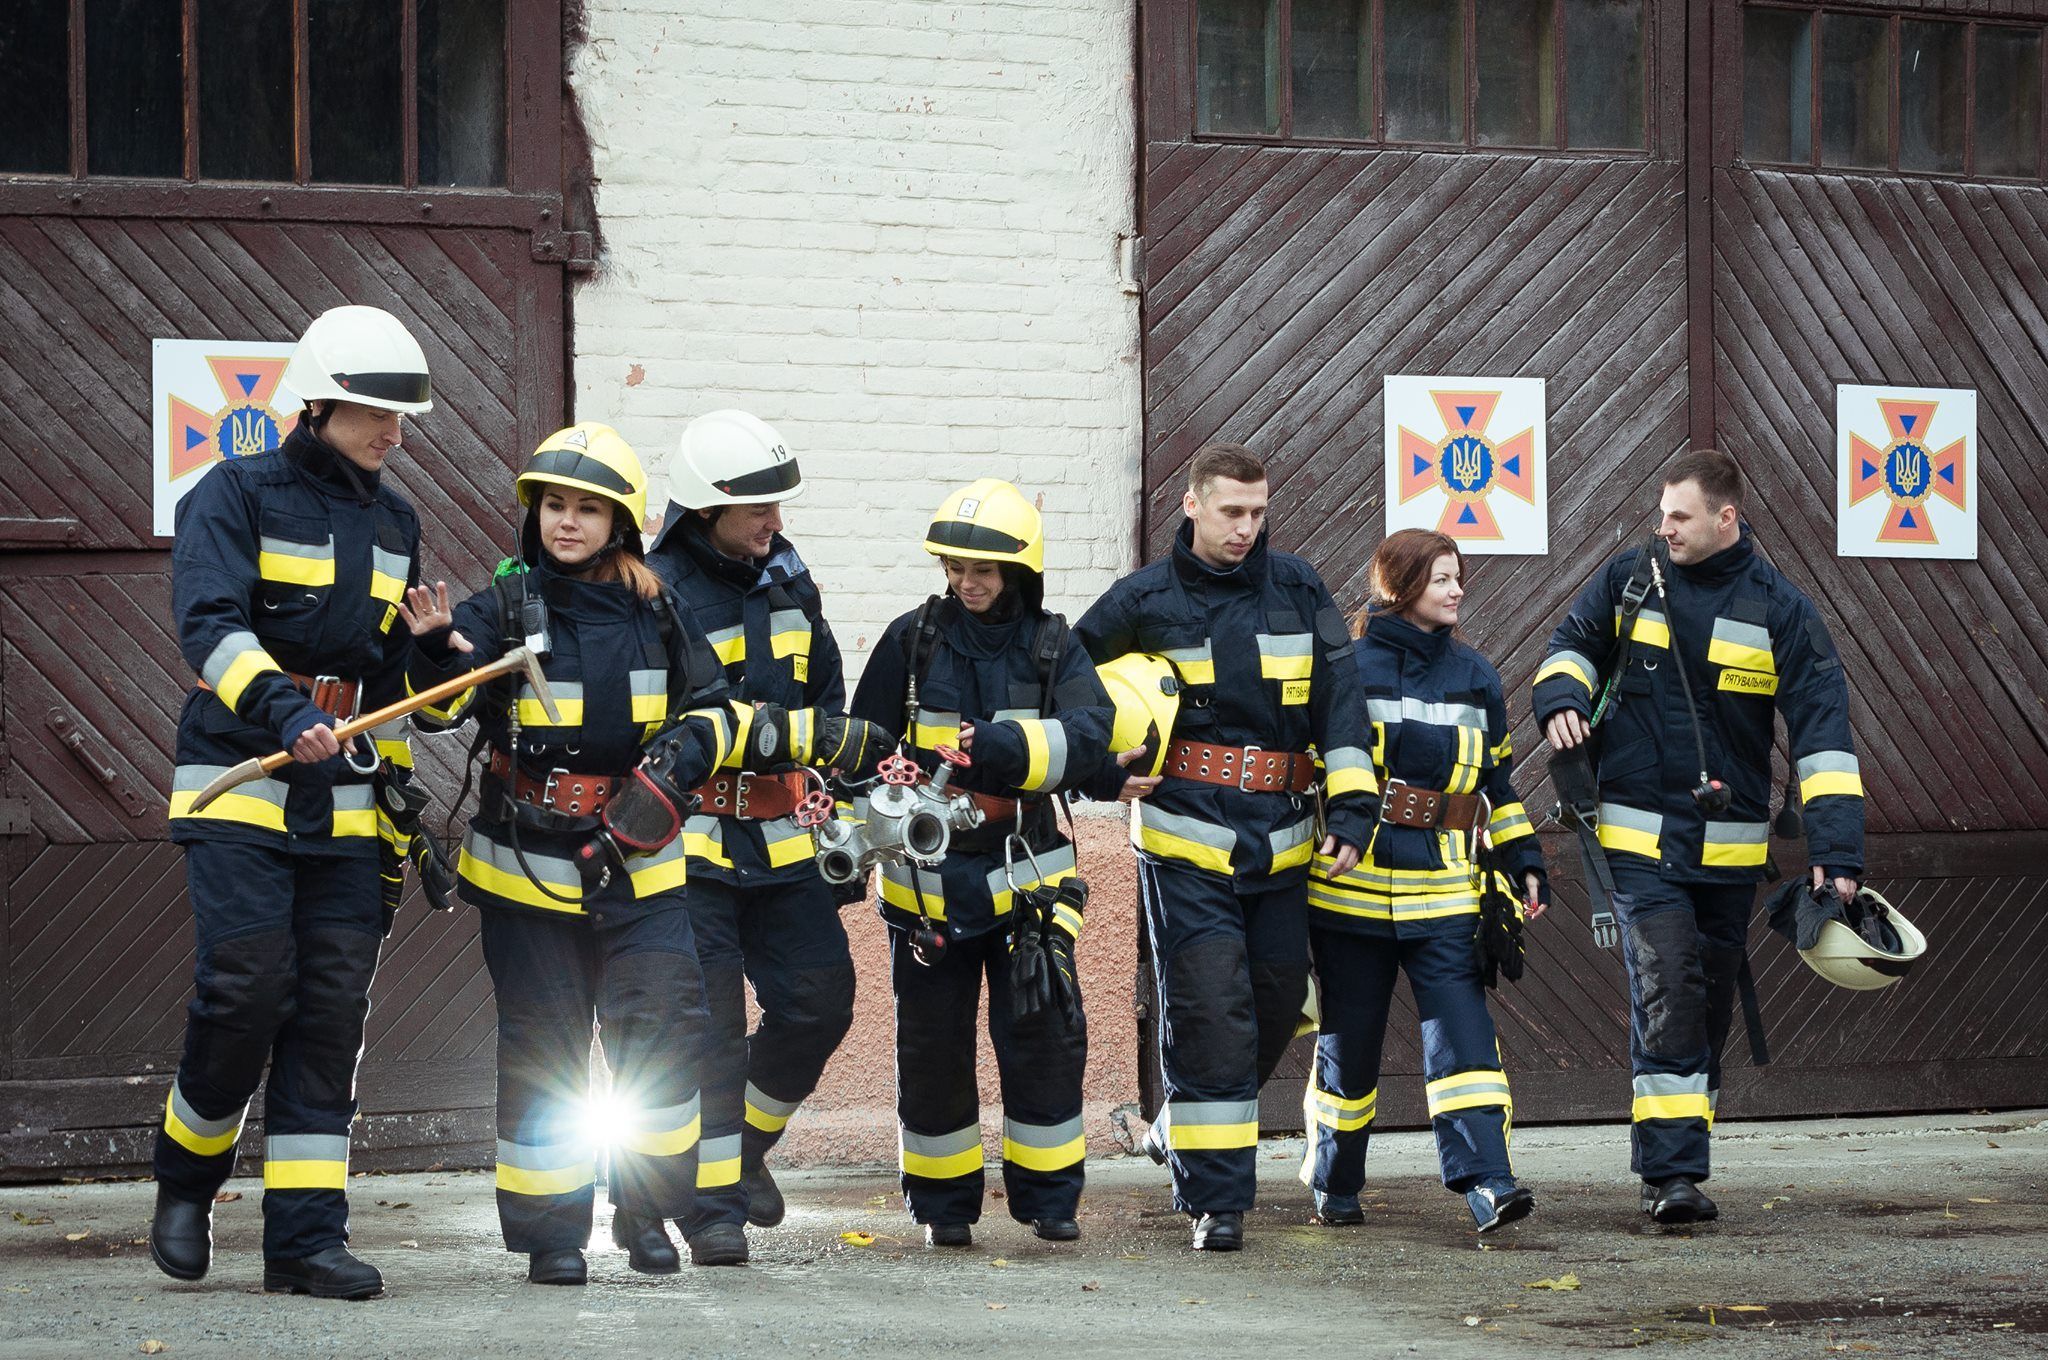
(1920, 1236)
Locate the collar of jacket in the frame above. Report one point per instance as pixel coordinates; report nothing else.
(1391, 630)
(1251, 572)
(317, 461)
(974, 635)
(1724, 566)
(573, 595)
(747, 573)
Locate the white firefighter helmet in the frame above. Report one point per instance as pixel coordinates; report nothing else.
(364, 355)
(731, 458)
(1849, 957)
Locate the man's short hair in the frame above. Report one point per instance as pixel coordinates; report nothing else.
(1234, 461)
(1720, 480)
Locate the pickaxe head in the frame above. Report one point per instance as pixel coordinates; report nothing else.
(529, 670)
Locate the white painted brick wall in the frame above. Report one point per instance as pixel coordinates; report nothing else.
(891, 231)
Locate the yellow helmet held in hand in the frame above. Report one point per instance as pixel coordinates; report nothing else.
(590, 457)
(988, 521)
(1146, 696)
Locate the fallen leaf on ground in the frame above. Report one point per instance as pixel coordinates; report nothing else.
(1948, 1211)
(1988, 1143)
(78, 1236)
(36, 1222)
(1775, 1200)
(858, 1239)
(1979, 1199)
(1561, 1282)
(227, 1197)
(410, 1242)
(152, 1347)
(878, 1199)
(1749, 1308)
(1095, 1287)
(1132, 1256)
(999, 1261)
(997, 1307)
(1471, 1320)
(1194, 1300)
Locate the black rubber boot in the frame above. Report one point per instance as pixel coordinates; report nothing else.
(1057, 1229)
(1219, 1232)
(563, 1265)
(648, 1249)
(764, 1197)
(720, 1244)
(1339, 1211)
(335, 1273)
(181, 1236)
(1678, 1200)
(1499, 1202)
(948, 1235)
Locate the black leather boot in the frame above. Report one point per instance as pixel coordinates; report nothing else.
(563, 1265)
(948, 1235)
(1339, 1211)
(1678, 1200)
(764, 1197)
(1056, 1229)
(181, 1236)
(335, 1273)
(720, 1244)
(648, 1249)
(1219, 1232)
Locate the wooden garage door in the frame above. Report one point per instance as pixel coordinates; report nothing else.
(465, 242)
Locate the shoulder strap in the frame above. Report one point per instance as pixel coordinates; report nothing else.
(917, 649)
(1633, 593)
(1047, 649)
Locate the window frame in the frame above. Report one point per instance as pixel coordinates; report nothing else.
(1816, 14)
(1469, 57)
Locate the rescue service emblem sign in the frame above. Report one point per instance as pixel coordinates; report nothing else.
(1906, 472)
(1465, 456)
(210, 400)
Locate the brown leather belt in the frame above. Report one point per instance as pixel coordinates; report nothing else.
(1246, 768)
(330, 694)
(1411, 805)
(994, 806)
(574, 795)
(756, 797)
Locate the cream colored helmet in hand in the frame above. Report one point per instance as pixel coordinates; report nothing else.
(364, 355)
(731, 458)
(1844, 956)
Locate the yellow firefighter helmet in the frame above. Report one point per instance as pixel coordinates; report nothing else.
(988, 521)
(590, 457)
(1146, 696)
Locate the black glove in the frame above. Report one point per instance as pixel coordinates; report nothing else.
(851, 745)
(390, 878)
(430, 862)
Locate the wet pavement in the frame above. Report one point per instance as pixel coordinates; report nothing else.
(1921, 1237)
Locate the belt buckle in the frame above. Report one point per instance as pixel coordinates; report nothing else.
(1244, 768)
(547, 788)
(326, 694)
(739, 794)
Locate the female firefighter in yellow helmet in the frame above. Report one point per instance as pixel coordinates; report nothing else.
(574, 853)
(986, 673)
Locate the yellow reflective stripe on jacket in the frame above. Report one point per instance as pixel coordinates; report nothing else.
(1343, 1114)
(195, 1133)
(305, 1161)
(1470, 761)
(1291, 846)
(1830, 774)
(1630, 830)
(1285, 656)
(899, 890)
(551, 1169)
(445, 712)
(1045, 753)
(1744, 646)
(259, 802)
(769, 1115)
(393, 743)
(666, 1132)
(1510, 822)
(649, 688)
(1347, 769)
(1735, 845)
(789, 633)
(730, 723)
(297, 564)
(1468, 1091)
(355, 810)
(234, 661)
(1211, 1125)
(1193, 665)
(1044, 1147)
(786, 842)
(568, 700)
(663, 871)
(1577, 665)
(729, 644)
(388, 571)
(495, 869)
(718, 1162)
(1661, 1095)
(1172, 836)
(941, 1156)
(1057, 864)
(934, 729)
(1652, 629)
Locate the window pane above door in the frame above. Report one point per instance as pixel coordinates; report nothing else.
(1332, 68)
(1932, 112)
(1425, 42)
(35, 89)
(1603, 56)
(1777, 86)
(1237, 86)
(356, 90)
(245, 90)
(134, 99)
(2008, 108)
(1855, 91)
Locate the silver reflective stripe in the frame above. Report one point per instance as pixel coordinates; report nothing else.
(546, 1157)
(1738, 833)
(941, 1144)
(722, 1149)
(647, 682)
(1508, 821)
(1345, 758)
(1410, 709)
(354, 797)
(558, 873)
(1633, 819)
(311, 552)
(193, 778)
(1655, 616)
(1671, 1084)
(1453, 1089)
(1209, 1113)
(306, 1147)
(1187, 828)
(788, 621)
(395, 565)
(1829, 762)
(1055, 754)
(1182, 656)
(783, 1109)
(1284, 644)
(1581, 664)
(927, 879)
(668, 1118)
(1051, 863)
(1742, 634)
(1042, 1135)
(780, 830)
(561, 689)
(389, 731)
(225, 653)
(1289, 837)
(1012, 714)
(724, 637)
(205, 1128)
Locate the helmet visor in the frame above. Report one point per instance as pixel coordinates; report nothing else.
(972, 539)
(767, 481)
(412, 388)
(555, 465)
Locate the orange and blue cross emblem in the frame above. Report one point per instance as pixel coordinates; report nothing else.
(245, 425)
(1467, 464)
(1907, 471)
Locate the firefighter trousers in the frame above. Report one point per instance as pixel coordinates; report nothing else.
(285, 949)
(1683, 944)
(786, 939)
(1232, 969)
(1469, 1106)
(630, 966)
(938, 1104)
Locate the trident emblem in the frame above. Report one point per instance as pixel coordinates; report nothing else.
(1909, 469)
